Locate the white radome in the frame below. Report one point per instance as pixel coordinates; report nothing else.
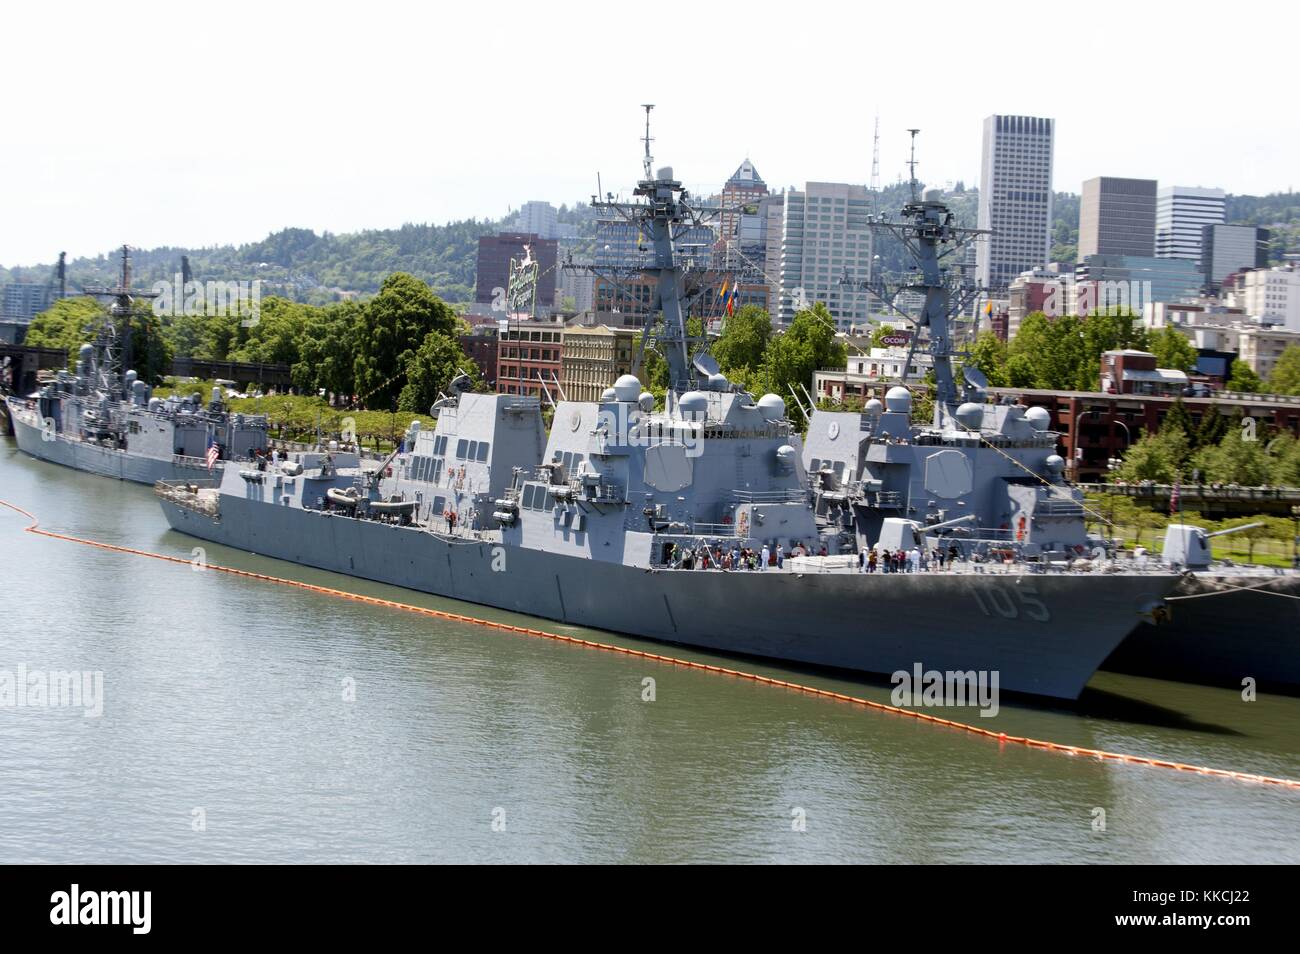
(898, 399)
(627, 388)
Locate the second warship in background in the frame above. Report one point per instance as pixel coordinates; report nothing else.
(103, 420)
(590, 524)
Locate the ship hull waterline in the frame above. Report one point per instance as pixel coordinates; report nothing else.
(1043, 634)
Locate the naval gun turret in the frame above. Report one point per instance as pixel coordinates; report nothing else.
(1189, 546)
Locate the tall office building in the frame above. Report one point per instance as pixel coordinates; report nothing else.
(543, 220)
(772, 208)
(740, 223)
(1229, 248)
(1181, 214)
(826, 251)
(1117, 217)
(1015, 198)
(20, 302)
(537, 218)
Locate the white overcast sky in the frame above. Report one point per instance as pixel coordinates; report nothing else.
(196, 125)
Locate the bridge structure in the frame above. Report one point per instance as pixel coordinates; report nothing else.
(1213, 500)
(23, 363)
(244, 374)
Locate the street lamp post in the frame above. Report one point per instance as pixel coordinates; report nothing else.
(1295, 537)
(1113, 464)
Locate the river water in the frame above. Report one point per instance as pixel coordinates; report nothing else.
(246, 721)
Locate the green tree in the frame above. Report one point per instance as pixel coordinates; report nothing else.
(744, 339)
(1052, 349)
(1173, 349)
(439, 359)
(327, 350)
(1178, 418)
(1243, 378)
(151, 351)
(1156, 457)
(808, 344)
(1285, 378)
(1234, 460)
(1284, 452)
(392, 328)
(989, 355)
(1214, 426)
(68, 324)
(275, 335)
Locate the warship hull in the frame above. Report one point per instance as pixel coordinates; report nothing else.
(96, 458)
(1223, 638)
(1044, 635)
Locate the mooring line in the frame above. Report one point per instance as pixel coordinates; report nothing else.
(1001, 737)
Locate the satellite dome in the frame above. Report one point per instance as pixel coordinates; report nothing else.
(627, 388)
(771, 407)
(608, 395)
(873, 407)
(899, 400)
(971, 415)
(785, 458)
(646, 401)
(414, 428)
(1055, 465)
(693, 403)
(1039, 418)
(718, 382)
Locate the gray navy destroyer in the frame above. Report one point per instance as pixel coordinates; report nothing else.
(985, 483)
(104, 420)
(588, 525)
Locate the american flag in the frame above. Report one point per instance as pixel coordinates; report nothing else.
(213, 453)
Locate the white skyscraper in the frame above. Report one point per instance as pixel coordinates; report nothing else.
(1181, 213)
(538, 218)
(1015, 198)
(826, 251)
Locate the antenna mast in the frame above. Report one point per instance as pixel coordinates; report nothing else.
(875, 168)
(648, 161)
(911, 163)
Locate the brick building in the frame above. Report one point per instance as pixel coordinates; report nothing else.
(528, 356)
(1096, 426)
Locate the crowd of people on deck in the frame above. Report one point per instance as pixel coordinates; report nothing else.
(732, 556)
(916, 560)
(873, 560)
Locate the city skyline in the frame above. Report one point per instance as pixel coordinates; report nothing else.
(390, 134)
